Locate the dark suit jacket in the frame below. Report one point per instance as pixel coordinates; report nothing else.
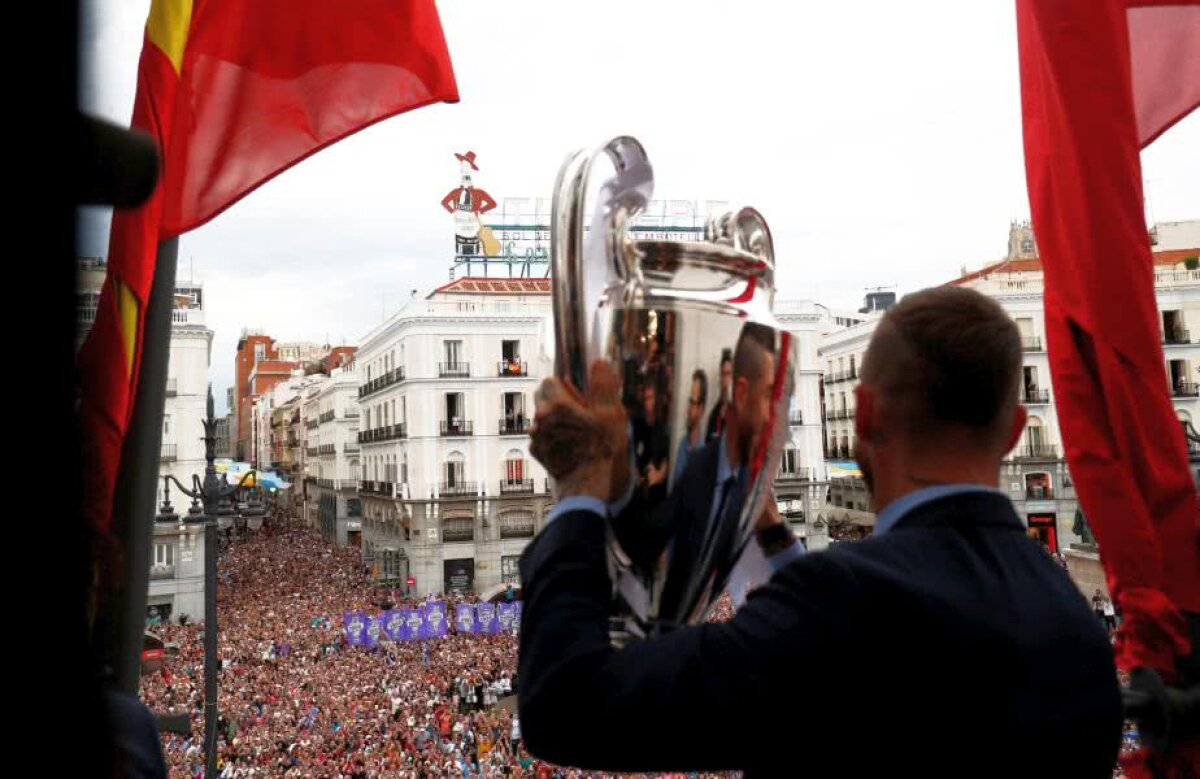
(645, 527)
(952, 645)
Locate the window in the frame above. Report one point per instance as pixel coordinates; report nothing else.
(510, 350)
(166, 425)
(510, 572)
(514, 468)
(453, 352)
(788, 462)
(512, 411)
(458, 529)
(454, 407)
(260, 352)
(164, 555)
(455, 469)
(1035, 434)
(516, 523)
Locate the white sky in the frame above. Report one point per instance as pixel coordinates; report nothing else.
(881, 140)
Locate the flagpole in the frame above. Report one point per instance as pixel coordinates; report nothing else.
(137, 479)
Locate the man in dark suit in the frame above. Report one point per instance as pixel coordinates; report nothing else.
(972, 653)
(697, 523)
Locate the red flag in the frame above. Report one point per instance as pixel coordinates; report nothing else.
(235, 93)
(1099, 80)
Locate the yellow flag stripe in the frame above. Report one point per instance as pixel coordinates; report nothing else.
(168, 26)
(127, 308)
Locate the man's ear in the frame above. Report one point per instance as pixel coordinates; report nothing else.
(1020, 417)
(866, 420)
(741, 390)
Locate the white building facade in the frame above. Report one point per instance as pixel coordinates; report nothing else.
(1035, 474)
(802, 485)
(333, 457)
(450, 495)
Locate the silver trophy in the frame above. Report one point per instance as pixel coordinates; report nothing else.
(706, 375)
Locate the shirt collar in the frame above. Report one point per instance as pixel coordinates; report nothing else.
(725, 470)
(900, 507)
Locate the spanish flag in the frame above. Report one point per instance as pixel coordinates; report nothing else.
(234, 93)
(1100, 80)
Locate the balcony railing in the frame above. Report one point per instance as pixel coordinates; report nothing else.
(1036, 452)
(379, 434)
(1031, 343)
(1177, 336)
(796, 419)
(512, 368)
(326, 417)
(1185, 389)
(172, 387)
(350, 413)
(351, 448)
(159, 572)
(458, 488)
(516, 486)
(311, 424)
(796, 474)
(514, 426)
(455, 427)
(311, 451)
(327, 449)
(383, 488)
(1036, 396)
(168, 453)
(393, 376)
(454, 370)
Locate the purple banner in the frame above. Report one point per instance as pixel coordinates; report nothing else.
(504, 613)
(485, 614)
(413, 621)
(374, 630)
(355, 625)
(436, 624)
(393, 625)
(429, 620)
(464, 618)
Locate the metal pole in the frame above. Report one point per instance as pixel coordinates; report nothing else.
(210, 647)
(212, 492)
(137, 479)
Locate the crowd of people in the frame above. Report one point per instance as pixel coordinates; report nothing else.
(296, 701)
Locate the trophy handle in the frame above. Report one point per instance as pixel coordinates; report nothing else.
(746, 230)
(620, 200)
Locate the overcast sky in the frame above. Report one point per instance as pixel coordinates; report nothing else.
(881, 140)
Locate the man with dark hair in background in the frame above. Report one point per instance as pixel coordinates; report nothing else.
(975, 654)
(697, 399)
(716, 419)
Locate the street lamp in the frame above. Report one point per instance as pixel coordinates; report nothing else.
(215, 495)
